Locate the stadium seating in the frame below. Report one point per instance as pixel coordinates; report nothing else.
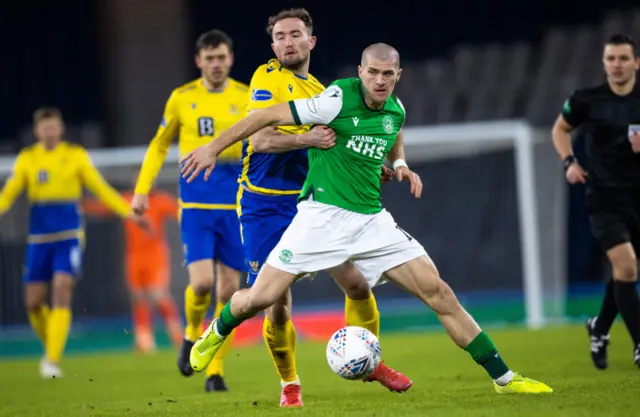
(502, 81)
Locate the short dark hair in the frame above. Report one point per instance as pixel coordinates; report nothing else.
(44, 113)
(621, 39)
(213, 39)
(299, 13)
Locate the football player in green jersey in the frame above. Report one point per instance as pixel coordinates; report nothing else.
(340, 220)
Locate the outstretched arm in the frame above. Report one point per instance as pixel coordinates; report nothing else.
(321, 110)
(270, 140)
(94, 207)
(101, 189)
(14, 185)
(276, 115)
(158, 148)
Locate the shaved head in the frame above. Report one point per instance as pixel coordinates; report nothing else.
(380, 52)
(379, 71)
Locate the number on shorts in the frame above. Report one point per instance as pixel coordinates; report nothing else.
(205, 126)
(404, 233)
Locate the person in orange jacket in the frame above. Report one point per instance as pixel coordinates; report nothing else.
(148, 266)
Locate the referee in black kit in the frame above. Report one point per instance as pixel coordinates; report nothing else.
(610, 117)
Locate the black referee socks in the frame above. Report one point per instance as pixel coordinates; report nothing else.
(608, 310)
(629, 305)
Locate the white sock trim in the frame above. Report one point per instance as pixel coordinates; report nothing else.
(294, 382)
(504, 379)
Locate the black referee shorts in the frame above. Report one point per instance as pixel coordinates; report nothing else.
(615, 218)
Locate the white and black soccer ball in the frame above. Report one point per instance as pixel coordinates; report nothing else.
(353, 353)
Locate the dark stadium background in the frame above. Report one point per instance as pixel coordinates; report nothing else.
(76, 54)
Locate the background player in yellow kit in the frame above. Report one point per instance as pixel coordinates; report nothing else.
(53, 172)
(197, 112)
(275, 166)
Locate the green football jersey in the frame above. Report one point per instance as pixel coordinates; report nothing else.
(348, 175)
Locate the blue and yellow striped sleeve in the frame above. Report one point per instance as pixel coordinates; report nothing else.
(159, 146)
(14, 185)
(95, 183)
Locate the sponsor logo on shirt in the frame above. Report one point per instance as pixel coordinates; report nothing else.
(261, 95)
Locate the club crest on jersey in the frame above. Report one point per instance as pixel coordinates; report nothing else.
(633, 131)
(255, 266)
(261, 95)
(193, 106)
(387, 124)
(233, 109)
(290, 88)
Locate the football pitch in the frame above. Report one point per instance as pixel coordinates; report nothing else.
(446, 381)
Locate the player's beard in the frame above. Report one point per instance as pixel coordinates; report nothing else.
(295, 64)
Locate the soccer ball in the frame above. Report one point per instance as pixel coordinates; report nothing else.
(353, 353)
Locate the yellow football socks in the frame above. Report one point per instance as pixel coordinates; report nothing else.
(38, 319)
(195, 308)
(281, 344)
(363, 313)
(216, 365)
(58, 325)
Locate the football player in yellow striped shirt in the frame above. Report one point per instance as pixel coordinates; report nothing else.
(275, 165)
(196, 113)
(54, 173)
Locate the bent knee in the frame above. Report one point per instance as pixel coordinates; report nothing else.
(259, 302)
(33, 305)
(201, 276)
(625, 270)
(351, 280)
(427, 284)
(278, 314)
(443, 300)
(357, 290)
(623, 262)
(62, 290)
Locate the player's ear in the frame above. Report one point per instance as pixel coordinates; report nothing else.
(399, 74)
(197, 61)
(231, 57)
(312, 42)
(273, 47)
(637, 62)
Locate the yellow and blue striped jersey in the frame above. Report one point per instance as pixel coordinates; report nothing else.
(54, 180)
(282, 173)
(196, 116)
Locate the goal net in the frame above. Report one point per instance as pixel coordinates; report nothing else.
(492, 217)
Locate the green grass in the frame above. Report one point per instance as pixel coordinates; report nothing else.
(446, 382)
